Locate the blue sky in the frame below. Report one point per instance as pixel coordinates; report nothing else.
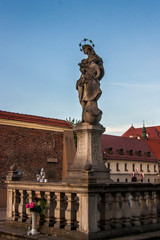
(39, 56)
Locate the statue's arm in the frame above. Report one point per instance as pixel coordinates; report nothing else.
(96, 68)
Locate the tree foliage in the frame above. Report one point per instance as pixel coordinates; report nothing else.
(74, 122)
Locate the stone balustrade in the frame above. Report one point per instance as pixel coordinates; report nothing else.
(86, 208)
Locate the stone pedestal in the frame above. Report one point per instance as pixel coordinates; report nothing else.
(88, 165)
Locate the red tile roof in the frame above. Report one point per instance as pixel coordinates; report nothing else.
(154, 146)
(158, 128)
(34, 119)
(127, 144)
(152, 132)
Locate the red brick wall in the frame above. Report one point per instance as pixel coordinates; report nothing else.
(3, 198)
(29, 150)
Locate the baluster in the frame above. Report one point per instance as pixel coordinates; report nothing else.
(29, 200)
(158, 205)
(76, 207)
(144, 208)
(117, 211)
(70, 213)
(60, 210)
(10, 200)
(126, 210)
(63, 209)
(52, 209)
(37, 194)
(22, 209)
(135, 209)
(93, 208)
(41, 218)
(106, 211)
(102, 212)
(88, 214)
(99, 207)
(13, 204)
(47, 210)
(20, 206)
(16, 205)
(152, 209)
(79, 217)
(79, 213)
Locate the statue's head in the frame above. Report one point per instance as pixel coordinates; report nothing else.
(86, 47)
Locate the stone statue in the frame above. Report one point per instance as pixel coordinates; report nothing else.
(88, 165)
(88, 85)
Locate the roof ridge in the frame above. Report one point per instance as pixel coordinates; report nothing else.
(33, 118)
(30, 115)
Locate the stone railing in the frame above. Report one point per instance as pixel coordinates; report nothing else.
(93, 208)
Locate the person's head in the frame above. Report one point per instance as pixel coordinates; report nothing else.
(134, 179)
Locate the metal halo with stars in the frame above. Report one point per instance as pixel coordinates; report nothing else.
(85, 40)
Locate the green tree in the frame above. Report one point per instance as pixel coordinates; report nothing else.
(74, 122)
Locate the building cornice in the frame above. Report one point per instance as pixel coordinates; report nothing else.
(139, 160)
(33, 125)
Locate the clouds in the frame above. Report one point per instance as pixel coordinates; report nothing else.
(117, 130)
(153, 86)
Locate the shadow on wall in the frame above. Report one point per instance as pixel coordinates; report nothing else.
(69, 151)
(3, 198)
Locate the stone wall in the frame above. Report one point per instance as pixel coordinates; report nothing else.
(3, 198)
(30, 149)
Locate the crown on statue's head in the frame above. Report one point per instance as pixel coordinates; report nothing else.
(83, 42)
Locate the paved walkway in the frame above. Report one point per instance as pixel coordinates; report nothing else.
(145, 236)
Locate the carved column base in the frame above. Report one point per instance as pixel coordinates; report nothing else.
(105, 225)
(144, 220)
(136, 222)
(153, 220)
(126, 223)
(116, 224)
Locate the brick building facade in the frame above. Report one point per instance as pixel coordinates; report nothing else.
(32, 142)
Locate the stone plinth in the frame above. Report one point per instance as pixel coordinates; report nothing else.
(88, 165)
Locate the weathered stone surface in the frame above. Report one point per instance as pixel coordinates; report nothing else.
(88, 164)
(88, 85)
